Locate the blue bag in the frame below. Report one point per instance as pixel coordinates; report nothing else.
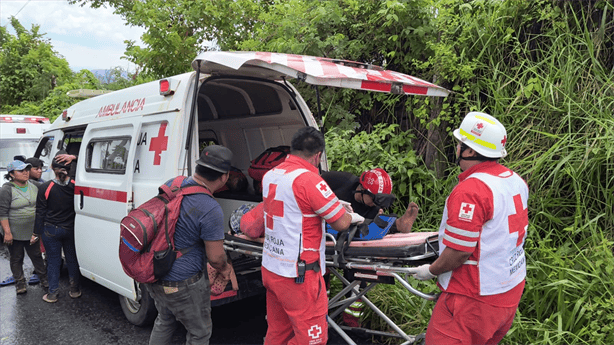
(371, 229)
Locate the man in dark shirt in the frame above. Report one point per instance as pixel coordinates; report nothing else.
(184, 294)
(361, 193)
(55, 221)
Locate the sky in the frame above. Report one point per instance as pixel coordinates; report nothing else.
(87, 38)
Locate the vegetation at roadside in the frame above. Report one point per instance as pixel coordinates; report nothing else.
(545, 68)
(34, 79)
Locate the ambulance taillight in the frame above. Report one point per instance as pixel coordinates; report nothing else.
(20, 130)
(165, 87)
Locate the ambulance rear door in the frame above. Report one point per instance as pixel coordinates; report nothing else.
(103, 196)
(315, 71)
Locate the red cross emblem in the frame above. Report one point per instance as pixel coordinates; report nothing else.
(467, 208)
(519, 221)
(323, 187)
(480, 125)
(159, 143)
(272, 207)
(504, 140)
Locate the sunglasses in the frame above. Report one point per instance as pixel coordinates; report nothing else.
(380, 199)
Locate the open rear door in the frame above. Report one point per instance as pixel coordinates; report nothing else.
(315, 71)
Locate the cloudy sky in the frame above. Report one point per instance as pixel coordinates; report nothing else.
(87, 38)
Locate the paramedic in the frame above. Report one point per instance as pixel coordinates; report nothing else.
(184, 293)
(364, 193)
(481, 268)
(296, 202)
(55, 221)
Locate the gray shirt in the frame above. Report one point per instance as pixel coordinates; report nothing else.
(19, 208)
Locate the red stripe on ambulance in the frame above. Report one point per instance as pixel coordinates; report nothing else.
(100, 193)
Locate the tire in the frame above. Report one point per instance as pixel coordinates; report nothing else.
(142, 312)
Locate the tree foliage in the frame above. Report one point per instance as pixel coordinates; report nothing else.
(177, 30)
(29, 67)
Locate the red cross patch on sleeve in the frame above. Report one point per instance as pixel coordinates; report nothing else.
(324, 189)
(466, 211)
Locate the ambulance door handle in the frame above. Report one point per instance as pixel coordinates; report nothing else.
(81, 200)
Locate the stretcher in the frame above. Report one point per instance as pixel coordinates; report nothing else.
(389, 260)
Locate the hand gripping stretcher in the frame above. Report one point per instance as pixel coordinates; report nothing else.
(385, 261)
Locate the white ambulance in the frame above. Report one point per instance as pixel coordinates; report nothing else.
(131, 141)
(19, 136)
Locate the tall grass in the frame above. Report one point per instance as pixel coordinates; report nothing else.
(553, 89)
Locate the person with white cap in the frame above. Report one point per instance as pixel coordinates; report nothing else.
(481, 266)
(17, 216)
(184, 294)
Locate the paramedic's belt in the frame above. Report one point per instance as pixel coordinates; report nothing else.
(303, 267)
(188, 281)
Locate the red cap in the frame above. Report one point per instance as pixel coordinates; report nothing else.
(376, 181)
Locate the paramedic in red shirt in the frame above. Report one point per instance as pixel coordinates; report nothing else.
(482, 266)
(296, 203)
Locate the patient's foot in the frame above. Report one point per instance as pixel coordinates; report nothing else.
(405, 223)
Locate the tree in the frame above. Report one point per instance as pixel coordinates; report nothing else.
(29, 67)
(177, 30)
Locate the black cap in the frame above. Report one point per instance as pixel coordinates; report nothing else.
(216, 157)
(35, 162)
(57, 165)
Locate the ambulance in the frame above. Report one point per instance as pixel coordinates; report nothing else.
(19, 136)
(131, 141)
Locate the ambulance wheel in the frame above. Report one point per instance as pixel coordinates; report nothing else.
(142, 312)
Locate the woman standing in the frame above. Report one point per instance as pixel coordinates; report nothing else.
(55, 218)
(17, 215)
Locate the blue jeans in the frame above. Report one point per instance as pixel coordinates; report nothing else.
(189, 304)
(54, 239)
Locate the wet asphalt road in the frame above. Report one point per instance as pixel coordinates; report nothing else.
(96, 317)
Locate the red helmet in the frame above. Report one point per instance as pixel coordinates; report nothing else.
(376, 181)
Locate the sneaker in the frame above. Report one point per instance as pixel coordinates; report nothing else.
(50, 297)
(34, 279)
(75, 291)
(20, 288)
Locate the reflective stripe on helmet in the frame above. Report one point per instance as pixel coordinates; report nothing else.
(477, 140)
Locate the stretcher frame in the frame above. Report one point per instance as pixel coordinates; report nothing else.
(371, 269)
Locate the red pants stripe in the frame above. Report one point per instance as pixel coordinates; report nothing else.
(296, 313)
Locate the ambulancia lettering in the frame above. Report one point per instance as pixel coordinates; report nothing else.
(127, 107)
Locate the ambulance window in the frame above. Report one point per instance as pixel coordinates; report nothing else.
(107, 155)
(44, 149)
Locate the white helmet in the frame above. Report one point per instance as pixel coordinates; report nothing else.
(484, 134)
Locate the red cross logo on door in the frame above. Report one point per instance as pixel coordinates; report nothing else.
(272, 207)
(519, 221)
(159, 143)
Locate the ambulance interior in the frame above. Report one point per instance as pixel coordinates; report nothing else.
(247, 116)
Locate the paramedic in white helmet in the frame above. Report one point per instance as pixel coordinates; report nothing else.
(481, 267)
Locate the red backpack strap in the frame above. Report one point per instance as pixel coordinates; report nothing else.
(48, 190)
(173, 188)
